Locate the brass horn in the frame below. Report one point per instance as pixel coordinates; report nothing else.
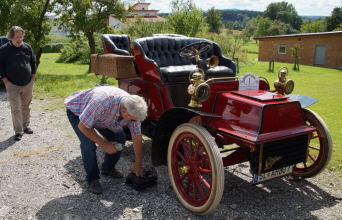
(212, 61)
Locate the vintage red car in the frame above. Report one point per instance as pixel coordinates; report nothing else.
(203, 118)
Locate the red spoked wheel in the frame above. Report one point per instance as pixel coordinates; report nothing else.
(319, 149)
(195, 168)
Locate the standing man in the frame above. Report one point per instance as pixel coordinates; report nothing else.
(105, 110)
(18, 71)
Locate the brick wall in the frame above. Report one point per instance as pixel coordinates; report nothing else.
(268, 49)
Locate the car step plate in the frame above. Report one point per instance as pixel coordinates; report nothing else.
(272, 174)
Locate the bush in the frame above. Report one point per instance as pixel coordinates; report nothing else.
(78, 51)
(53, 48)
(231, 45)
(142, 28)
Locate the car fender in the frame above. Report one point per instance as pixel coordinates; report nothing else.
(167, 123)
(305, 101)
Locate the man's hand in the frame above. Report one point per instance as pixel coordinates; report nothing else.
(90, 133)
(109, 148)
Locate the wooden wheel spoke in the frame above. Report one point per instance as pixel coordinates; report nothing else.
(315, 148)
(203, 160)
(194, 189)
(195, 156)
(205, 182)
(199, 186)
(312, 158)
(187, 148)
(187, 188)
(314, 137)
(203, 170)
(181, 156)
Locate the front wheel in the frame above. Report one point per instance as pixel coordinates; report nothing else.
(195, 168)
(319, 149)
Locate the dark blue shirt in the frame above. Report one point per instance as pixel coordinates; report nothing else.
(17, 64)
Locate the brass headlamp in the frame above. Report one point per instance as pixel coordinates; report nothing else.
(283, 85)
(198, 88)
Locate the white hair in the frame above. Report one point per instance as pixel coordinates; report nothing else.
(135, 106)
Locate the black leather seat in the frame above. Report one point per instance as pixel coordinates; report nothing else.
(163, 51)
(117, 44)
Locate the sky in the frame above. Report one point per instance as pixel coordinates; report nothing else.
(303, 7)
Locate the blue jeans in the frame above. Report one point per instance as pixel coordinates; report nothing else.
(88, 149)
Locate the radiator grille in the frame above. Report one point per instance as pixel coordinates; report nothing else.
(278, 154)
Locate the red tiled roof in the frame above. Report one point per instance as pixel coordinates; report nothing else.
(140, 3)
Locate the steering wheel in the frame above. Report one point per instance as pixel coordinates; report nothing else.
(195, 49)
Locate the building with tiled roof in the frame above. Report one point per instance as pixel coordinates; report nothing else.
(142, 11)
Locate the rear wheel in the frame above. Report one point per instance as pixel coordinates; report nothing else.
(195, 168)
(319, 149)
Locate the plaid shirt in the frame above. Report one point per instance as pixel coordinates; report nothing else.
(100, 108)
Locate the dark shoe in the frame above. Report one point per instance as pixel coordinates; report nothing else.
(113, 173)
(17, 137)
(28, 131)
(95, 187)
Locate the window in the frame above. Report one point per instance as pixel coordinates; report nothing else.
(282, 49)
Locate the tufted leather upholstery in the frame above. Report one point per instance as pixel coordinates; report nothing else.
(163, 51)
(117, 44)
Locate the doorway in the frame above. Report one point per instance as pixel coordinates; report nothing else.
(320, 55)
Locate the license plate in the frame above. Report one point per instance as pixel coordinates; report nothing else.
(272, 174)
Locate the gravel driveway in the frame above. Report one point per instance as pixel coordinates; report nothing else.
(42, 177)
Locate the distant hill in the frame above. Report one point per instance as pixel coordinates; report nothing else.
(237, 19)
(313, 17)
(232, 18)
(238, 15)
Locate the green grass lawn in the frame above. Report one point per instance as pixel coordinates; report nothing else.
(57, 80)
(60, 79)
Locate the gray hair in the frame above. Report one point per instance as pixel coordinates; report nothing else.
(13, 30)
(135, 106)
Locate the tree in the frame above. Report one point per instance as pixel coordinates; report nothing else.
(87, 16)
(295, 56)
(214, 21)
(141, 28)
(284, 12)
(186, 19)
(335, 20)
(31, 15)
(267, 27)
(251, 27)
(314, 26)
